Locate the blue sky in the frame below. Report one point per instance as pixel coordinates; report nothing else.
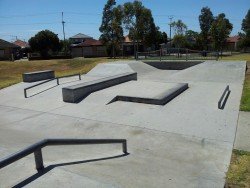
(25, 18)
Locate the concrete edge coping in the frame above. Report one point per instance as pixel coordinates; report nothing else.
(98, 81)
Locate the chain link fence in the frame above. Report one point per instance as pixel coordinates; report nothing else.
(177, 54)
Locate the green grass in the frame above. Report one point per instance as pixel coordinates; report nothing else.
(238, 174)
(245, 99)
(240, 57)
(11, 72)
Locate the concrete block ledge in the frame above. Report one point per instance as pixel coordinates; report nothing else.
(76, 93)
(161, 99)
(38, 76)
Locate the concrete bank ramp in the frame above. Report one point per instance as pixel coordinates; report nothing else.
(109, 69)
(120, 67)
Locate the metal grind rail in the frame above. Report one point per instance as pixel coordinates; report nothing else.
(57, 81)
(37, 149)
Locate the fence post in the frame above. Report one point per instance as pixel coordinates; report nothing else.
(57, 81)
(39, 159)
(160, 54)
(186, 54)
(80, 77)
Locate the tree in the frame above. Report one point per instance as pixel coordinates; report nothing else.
(220, 30)
(111, 27)
(245, 26)
(65, 46)
(245, 37)
(180, 41)
(43, 42)
(179, 27)
(205, 19)
(192, 38)
(139, 22)
(161, 38)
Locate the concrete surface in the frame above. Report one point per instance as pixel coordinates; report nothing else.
(185, 143)
(242, 141)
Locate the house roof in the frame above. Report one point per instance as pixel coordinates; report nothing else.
(21, 43)
(89, 42)
(233, 39)
(6, 44)
(127, 39)
(80, 36)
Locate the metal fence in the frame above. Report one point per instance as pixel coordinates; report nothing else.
(177, 54)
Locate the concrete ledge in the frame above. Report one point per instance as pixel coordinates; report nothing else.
(161, 99)
(75, 93)
(38, 76)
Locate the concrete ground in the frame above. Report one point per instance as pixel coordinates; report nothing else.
(185, 143)
(242, 141)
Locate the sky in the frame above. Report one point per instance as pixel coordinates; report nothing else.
(23, 19)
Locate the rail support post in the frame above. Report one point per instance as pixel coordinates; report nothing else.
(25, 93)
(39, 159)
(57, 81)
(80, 77)
(124, 147)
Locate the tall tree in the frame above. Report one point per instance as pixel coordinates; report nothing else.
(43, 42)
(139, 22)
(245, 26)
(179, 27)
(111, 27)
(206, 19)
(220, 30)
(244, 43)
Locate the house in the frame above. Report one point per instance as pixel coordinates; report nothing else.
(232, 43)
(21, 44)
(25, 48)
(79, 38)
(128, 47)
(8, 50)
(89, 48)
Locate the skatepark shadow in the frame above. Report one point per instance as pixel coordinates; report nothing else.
(50, 88)
(225, 100)
(41, 91)
(51, 167)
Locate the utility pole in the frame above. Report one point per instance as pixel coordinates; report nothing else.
(170, 28)
(63, 22)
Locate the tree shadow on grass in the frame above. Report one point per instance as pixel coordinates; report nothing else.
(51, 167)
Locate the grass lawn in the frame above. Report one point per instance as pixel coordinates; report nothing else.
(11, 72)
(245, 100)
(238, 174)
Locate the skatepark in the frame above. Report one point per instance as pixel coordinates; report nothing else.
(177, 132)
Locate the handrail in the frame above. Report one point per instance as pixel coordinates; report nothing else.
(227, 90)
(57, 81)
(37, 149)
